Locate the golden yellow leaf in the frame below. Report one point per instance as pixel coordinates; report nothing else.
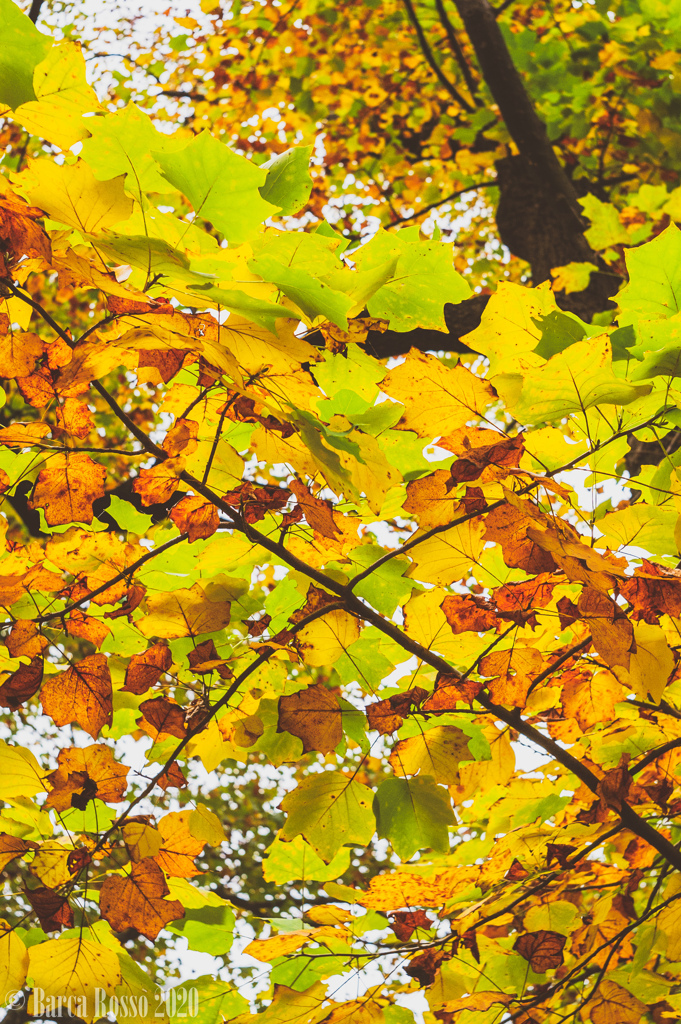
(63, 96)
(50, 863)
(20, 773)
(436, 752)
(447, 557)
(205, 826)
(437, 398)
(74, 967)
(13, 961)
(141, 840)
(72, 195)
(184, 613)
(325, 639)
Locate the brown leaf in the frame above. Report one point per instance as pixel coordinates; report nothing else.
(405, 922)
(490, 460)
(78, 859)
(138, 901)
(318, 513)
(164, 717)
(614, 786)
(158, 484)
(12, 846)
(75, 418)
(509, 526)
(179, 847)
(469, 613)
(25, 640)
(516, 872)
(81, 694)
(53, 910)
(513, 671)
(314, 716)
(612, 632)
(196, 517)
(19, 234)
(653, 591)
(517, 602)
(144, 670)
(66, 487)
(255, 502)
(22, 435)
(425, 966)
(205, 658)
(78, 766)
(543, 950)
(387, 715)
(22, 685)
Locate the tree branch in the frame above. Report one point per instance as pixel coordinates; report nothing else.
(455, 47)
(428, 54)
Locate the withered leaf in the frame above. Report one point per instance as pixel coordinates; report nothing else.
(509, 526)
(66, 487)
(405, 922)
(181, 438)
(653, 591)
(81, 694)
(19, 353)
(78, 766)
(144, 670)
(542, 949)
(158, 484)
(519, 601)
(196, 517)
(490, 460)
(612, 632)
(255, 502)
(425, 966)
(178, 846)
(387, 715)
(12, 846)
(164, 716)
(22, 684)
(318, 512)
(314, 716)
(25, 639)
(52, 908)
(448, 690)
(138, 901)
(469, 613)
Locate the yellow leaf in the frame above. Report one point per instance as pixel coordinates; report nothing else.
(438, 399)
(325, 639)
(426, 623)
(614, 1005)
(650, 665)
(447, 557)
(573, 277)
(142, 840)
(436, 752)
(63, 96)
(72, 195)
(13, 962)
(20, 773)
(183, 613)
(75, 968)
(50, 864)
(508, 333)
(206, 826)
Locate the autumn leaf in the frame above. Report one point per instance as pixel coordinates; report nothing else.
(144, 670)
(67, 487)
(314, 716)
(329, 811)
(81, 694)
(13, 961)
(12, 847)
(86, 770)
(543, 950)
(196, 517)
(179, 845)
(437, 752)
(139, 900)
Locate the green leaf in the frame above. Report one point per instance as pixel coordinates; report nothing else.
(414, 814)
(122, 142)
(654, 288)
(386, 587)
(288, 183)
(217, 1001)
(23, 48)
(558, 332)
(424, 279)
(606, 228)
(207, 930)
(127, 516)
(571, 382)
(297, 861)
(650, 527)
(329, 810)
(222, 186)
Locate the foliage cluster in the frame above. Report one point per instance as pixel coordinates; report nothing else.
(280, 616)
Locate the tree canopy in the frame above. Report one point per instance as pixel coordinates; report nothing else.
(341, 528)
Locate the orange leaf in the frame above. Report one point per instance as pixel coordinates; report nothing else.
(196, 517)
(81, 694)
(138, 901)
(543, 949)
(179, 847)
(66, 488)
(12, 846)
(318, 513)
(22, 685)
(94, 763)
(144, 670)
(25, 640)
(158, 484)
(165, 717)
